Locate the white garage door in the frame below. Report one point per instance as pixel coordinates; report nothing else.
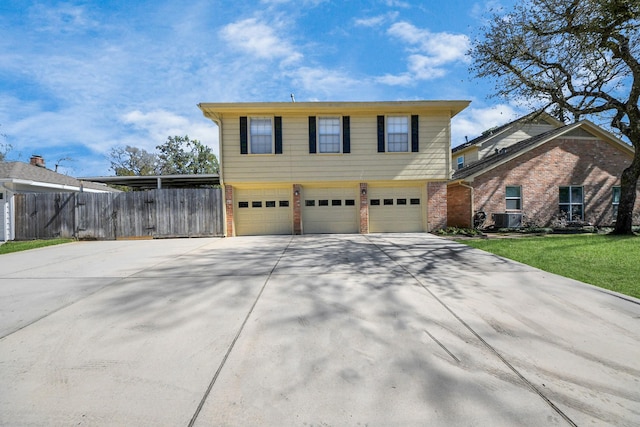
(395, 210)
(330, 210)
(263, 211)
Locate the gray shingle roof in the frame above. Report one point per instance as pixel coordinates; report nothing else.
(28, 172)
(496, 130)
(509, 152)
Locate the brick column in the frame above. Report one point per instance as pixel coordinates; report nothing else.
(364, 208)
(228, 204)
(436, 205)
(297, 209)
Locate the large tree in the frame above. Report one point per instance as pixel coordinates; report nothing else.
(133, 161)
(181, 155)
(577, 58)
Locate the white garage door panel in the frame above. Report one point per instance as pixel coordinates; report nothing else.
(395, 210)
(330, 210)
(264, 211)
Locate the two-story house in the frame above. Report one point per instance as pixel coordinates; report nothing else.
(334, 167)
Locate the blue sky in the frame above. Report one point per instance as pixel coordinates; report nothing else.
(80, 77)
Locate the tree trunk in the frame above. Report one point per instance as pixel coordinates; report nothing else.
(628, 184)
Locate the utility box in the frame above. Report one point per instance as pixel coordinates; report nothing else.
(507, 220)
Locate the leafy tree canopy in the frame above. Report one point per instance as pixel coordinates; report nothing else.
(177, 156)
(578, 58)
(181, 155)
(132, 161)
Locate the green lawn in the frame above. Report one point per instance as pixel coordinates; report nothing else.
(610, 262)
(30, 244)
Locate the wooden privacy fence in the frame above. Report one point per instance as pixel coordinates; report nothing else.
(164, 213)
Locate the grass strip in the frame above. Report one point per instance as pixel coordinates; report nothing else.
(609, 262)
(9, 247)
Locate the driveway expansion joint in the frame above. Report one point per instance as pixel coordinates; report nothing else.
(512, 368)
(235, 339)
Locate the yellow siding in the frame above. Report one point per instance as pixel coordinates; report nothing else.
(363, 164)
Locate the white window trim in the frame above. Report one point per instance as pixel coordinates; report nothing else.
(386, 133)
(460, 164)
(340, 144)
(273, 136)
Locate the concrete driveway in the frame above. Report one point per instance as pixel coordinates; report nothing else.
(350, 330)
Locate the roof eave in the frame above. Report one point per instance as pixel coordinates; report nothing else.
(215, 109)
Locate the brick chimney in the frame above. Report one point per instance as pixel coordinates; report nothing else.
(37, 161)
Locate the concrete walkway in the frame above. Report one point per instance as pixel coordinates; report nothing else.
(377, 330)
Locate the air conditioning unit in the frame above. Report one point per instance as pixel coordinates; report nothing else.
(507, 220)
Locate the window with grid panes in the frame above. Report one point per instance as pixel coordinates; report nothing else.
(571, 203)
(329, 134)
(397, 133)
(261, 135)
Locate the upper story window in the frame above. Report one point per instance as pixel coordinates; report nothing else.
(513, 198)
(460, 162)
(329, 134)
(571, 203)
(261, 135)
(397, 134)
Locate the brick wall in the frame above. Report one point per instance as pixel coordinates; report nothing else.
(228, 204)
(297, 209)
(459, 205)
(436, 205)
(594, 165)
(364, 208)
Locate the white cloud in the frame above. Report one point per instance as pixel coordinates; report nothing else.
(326, 82)
(153, 127)
(371, 22)
(430, 53)
(397, 3)
(404, 79)
(260, 40)
(471, 122)
(376, 21)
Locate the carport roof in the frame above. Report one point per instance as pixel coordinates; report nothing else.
(158, 181)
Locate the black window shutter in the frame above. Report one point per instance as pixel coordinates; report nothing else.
(243, 136)
(380, 134)
(312, 134)
(278, 125)
(415, 147)
(346, 134)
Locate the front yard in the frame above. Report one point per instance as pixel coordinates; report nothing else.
(610, 262)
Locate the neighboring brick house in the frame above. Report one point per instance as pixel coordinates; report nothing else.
(571, 172)
(334, 167)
